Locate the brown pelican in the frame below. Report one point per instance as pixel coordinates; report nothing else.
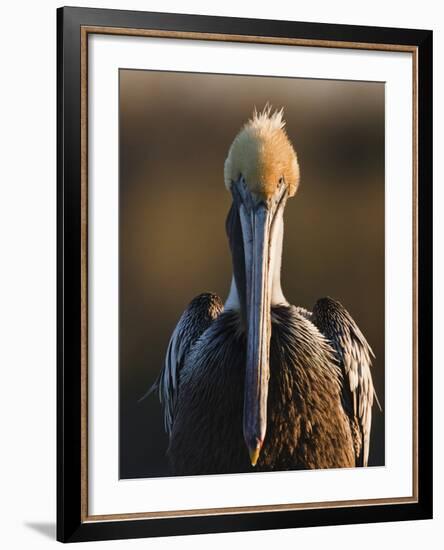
(257, 382)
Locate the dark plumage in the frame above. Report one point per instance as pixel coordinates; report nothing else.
(194, 321)
(354, 355)
(307, 425)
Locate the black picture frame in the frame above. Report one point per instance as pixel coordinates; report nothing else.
(71, 523)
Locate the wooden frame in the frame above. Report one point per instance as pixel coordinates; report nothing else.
(74, 26)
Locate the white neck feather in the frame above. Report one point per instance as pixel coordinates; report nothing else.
(277, 238)
(232, 301)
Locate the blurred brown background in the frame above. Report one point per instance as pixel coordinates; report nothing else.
(175, 131)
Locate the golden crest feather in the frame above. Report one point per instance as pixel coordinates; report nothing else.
(262, 153)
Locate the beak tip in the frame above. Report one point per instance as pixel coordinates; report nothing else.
(254, 453)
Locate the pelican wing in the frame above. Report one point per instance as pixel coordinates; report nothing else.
(197, 317)
(354, 355)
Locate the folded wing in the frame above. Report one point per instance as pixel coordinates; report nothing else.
(197, 317)
(354, 355)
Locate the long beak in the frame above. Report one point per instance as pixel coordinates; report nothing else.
(256, 229)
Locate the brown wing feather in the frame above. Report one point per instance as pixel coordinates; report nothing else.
(354, 354)
(194, 321)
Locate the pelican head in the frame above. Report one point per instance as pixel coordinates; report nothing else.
(261, 171)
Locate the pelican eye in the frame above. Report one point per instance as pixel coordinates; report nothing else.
(281, 180)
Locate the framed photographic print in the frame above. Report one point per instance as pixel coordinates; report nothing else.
(244, 274)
